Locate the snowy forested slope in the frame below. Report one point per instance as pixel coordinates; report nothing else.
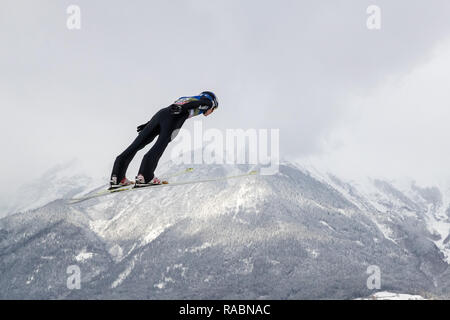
(294, 235)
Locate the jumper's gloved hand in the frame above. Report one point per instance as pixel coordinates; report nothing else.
(141, 127)
(175, 109)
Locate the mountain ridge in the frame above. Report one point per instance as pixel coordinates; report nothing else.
(288, 236)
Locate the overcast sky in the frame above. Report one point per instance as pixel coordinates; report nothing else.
(356, 101)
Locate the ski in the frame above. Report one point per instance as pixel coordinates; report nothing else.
(131, 188)
(106, 192)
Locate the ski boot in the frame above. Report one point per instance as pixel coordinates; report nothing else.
(140, 182)
(123, 183)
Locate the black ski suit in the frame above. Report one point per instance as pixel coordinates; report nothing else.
(162, 124)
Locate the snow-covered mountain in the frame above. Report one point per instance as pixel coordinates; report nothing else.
(299, 234)
(385, 295)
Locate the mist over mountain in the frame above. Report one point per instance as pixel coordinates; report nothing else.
(298, 234)
(61, 181)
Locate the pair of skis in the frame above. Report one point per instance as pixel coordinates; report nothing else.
(131, 188)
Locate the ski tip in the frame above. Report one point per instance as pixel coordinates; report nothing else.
(253, 172)
(189, 169)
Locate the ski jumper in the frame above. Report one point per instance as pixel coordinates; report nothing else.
(162, 124)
